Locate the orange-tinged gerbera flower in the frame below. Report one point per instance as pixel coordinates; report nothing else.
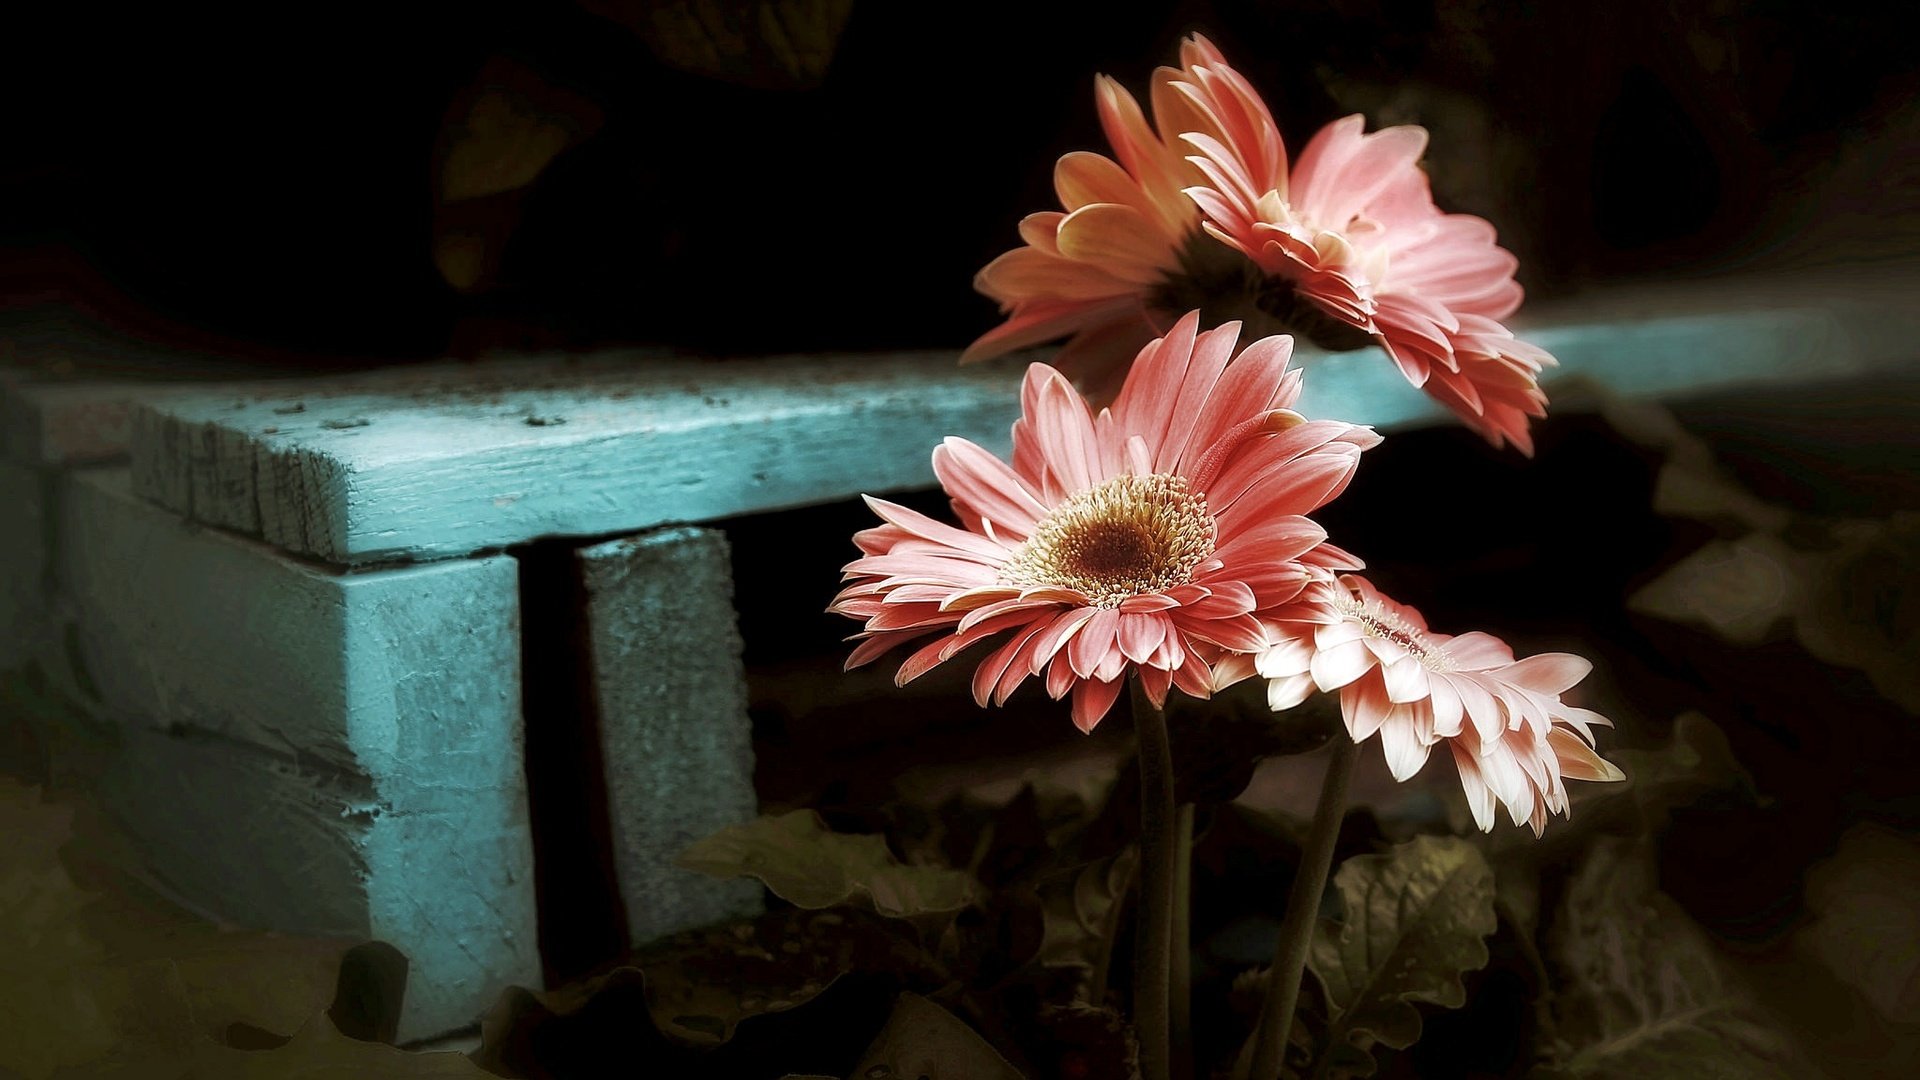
(1353, 231)
(1148, 537)
(1511, 736)
(1104, 270)
(1344, 246)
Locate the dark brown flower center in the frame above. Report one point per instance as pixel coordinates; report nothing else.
(1129, 536)
(1222, 285)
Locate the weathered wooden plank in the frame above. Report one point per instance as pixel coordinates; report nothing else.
(311, 751)
(672, 705)
(583, 451)
(374, 471)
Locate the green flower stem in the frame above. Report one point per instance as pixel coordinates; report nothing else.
(1303, 911)
(1181, 990)
(1153, 952)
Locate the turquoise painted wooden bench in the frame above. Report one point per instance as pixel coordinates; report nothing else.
(300, 603)
(441, 464)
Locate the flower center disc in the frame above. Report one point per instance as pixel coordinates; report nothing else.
(1381, 623)
(1127, 537)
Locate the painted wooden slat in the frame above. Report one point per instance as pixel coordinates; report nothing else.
(670, 693)
(367, 473)
(613, 447)
(310, 751)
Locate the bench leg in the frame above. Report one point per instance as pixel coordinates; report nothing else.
(671, 696)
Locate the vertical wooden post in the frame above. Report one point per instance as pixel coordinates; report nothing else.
(670, 691)
(311, 751)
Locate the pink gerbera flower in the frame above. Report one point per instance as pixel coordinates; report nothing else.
(1150, 536)
(1511, 736)
(1353, 232)
(1111, 271)
(1202, 212)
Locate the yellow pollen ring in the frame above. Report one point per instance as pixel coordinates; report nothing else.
(1127, 537)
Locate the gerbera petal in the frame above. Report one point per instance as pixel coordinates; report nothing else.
(1139, 635)
(1145, 404)
(1192, 676)
(1060, 677)
(1582, 720)
(1277, 540)
(1548, 673)
(1064, 429)
(1119, 240)
(1406, 679)
(1400, 741)
(1340, 665)
(1141, 605)
(1365, 706)
(1156, 681)
(1094, 641)
(1240, 633)
(1476, 651)
(1211, 351)
(872, 648)
(1082, 178)
(987, 677)
(1578, 761)
(1035, 320)
(1285, 693)
(1231, 668)
(1285, 658)
(1031, 273)
(1247, 389)
(1040, 229)
(1480, 798)
(984, 488)
(959, 542)
(1445, 701)
(1058, 633)
(1482, 709)
(923, 660)
(1225, 598)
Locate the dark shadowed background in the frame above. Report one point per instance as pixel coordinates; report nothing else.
(295, 179)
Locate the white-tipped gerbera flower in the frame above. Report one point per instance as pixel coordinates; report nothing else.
(1510, 735)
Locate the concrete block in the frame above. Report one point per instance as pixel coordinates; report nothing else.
(310, 751)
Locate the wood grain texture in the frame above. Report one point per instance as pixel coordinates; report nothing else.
(672, 704)
(309, 751)
(565, 449)
(364, 471)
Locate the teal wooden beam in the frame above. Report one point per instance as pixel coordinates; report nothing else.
(444, 463)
